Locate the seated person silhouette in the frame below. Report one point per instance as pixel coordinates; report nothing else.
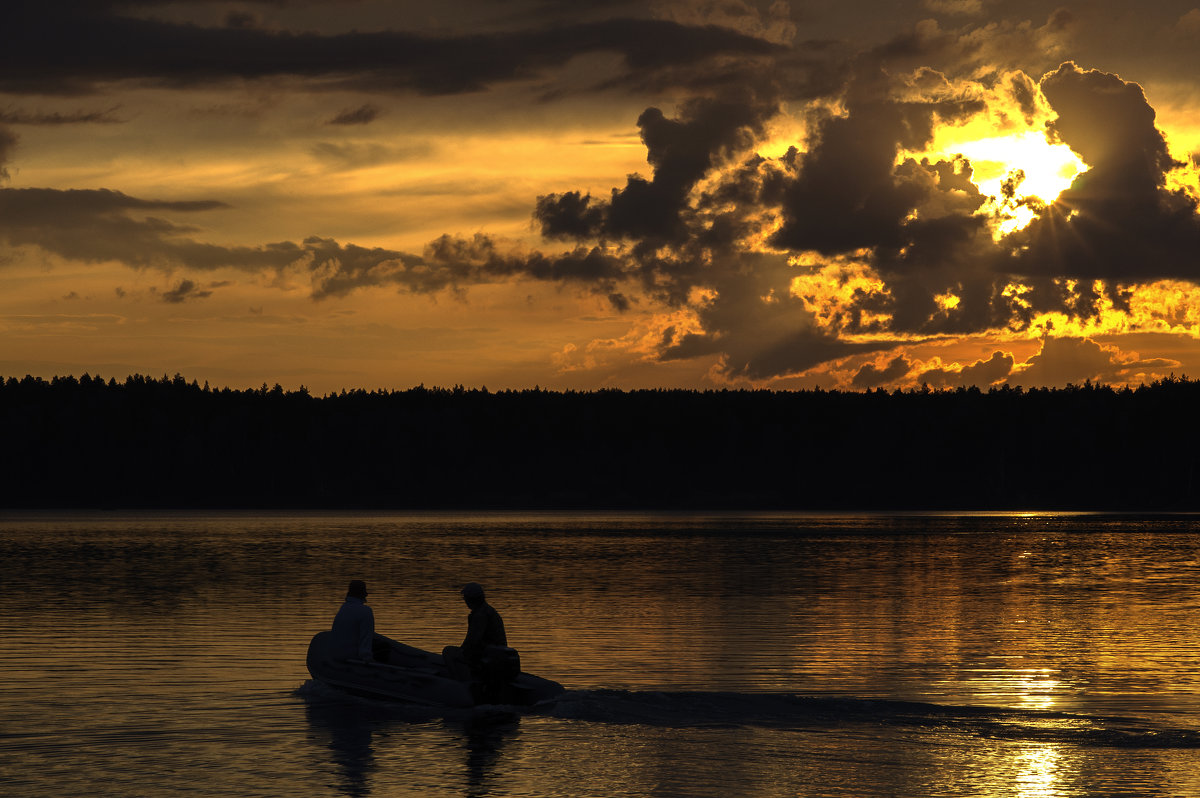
(354, 626)
(485, 628)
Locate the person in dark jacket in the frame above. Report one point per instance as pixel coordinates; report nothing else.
(485, 628)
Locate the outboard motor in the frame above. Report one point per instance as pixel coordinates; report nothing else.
(500, 664)
(493, 673)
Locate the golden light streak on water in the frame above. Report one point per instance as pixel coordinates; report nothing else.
(1037, 771)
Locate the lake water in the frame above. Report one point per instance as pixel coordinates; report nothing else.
(729, 655)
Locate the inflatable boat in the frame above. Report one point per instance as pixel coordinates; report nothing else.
(403, 673)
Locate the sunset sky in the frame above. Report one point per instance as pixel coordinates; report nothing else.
(667, 193)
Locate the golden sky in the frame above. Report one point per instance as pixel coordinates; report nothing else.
(508, 193)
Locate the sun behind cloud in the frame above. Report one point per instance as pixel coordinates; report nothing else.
(1016, 162)
(1018, 171)
(1047, 168)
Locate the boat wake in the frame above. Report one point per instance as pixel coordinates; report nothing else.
(808, 713)
(787, 712)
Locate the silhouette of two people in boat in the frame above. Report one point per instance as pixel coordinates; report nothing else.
(484, 655)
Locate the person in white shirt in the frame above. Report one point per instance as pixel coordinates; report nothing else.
(354, 625)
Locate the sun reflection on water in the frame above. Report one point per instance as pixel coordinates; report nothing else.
(1038, 689)
(1038, 771)
(1032, 689)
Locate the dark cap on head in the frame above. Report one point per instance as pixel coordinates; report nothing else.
(472, 591)
(358, 588)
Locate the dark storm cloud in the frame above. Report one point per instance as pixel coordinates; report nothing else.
(851, 192)
(870, 375)
(1118, 221)
(681, 150)
(754, 338)
(30, 205)
(186, 290)
(1076, 360)
(759, 342)
(803, 71)
(946, 249)
(847, 192)
(363, 115)
(981, 373)
(976, 49)
(680, 241)
(454, 262)
(71, 47)
(96, 226)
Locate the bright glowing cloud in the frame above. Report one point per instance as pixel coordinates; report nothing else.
(1033, 166)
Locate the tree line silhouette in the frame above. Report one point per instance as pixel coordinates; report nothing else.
(169, 443)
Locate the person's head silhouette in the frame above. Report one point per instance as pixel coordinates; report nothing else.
(472, 593)
(358, 589)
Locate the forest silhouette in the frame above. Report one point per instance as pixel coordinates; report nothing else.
(169, 443)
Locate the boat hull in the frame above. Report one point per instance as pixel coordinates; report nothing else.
(415, 676)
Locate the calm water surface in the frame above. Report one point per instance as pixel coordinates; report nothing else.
(1016, 655)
